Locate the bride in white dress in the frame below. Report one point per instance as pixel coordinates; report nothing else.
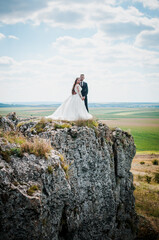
(73, 108)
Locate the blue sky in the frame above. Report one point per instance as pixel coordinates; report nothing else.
(46, 44)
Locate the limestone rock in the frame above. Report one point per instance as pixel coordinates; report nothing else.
(94, 201)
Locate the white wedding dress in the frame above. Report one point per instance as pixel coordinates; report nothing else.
(72, 109)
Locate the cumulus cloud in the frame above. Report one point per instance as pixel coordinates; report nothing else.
(112, 71)
(13, 37)
(152, 4)
(126, 29)
(148, 39)
(2, 36)
(72, 14)
(116, 59)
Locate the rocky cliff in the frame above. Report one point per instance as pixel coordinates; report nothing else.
(83, 190)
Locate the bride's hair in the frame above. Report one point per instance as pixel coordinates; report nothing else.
(73, 88)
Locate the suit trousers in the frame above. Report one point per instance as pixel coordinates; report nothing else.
(86, 102)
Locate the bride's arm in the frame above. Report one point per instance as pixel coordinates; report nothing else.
(79, 92)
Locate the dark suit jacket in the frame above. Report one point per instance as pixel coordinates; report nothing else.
(84, 89)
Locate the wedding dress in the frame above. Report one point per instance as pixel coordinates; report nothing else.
(72, 109)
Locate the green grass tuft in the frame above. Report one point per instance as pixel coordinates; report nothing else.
(50, 169)
(32, 190)
(61, 126)
(89, 123)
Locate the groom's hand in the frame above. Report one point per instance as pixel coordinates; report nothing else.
(83, 98)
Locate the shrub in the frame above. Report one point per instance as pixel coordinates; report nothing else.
(148, 178)
(32, 189)
(50, 169)
(156, 177)
(142, 163)
(155, 162)
(39, 147)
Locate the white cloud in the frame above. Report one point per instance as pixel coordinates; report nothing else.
(152, 4)
(78, 15)
(148, 39)
(5, 60)
(113, 72)
(119, 60)
(13, 37)
(2, 36)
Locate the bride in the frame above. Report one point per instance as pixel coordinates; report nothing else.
(73, 108)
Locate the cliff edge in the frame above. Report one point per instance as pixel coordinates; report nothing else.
(83, 189)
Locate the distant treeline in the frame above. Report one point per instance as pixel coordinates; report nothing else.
(91, 105)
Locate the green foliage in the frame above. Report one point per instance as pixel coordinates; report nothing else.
(156, 177)
(16, 151)
(50, 169)
(64, 125)
(89, 123)
(142, 163)
(39, 127)
(155, 162)
(148, 178)
(32, 190)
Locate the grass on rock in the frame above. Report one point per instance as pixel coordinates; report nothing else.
(37, 146)
(32, 190)
(64, 165)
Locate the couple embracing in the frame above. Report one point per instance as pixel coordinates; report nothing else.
(75, 107)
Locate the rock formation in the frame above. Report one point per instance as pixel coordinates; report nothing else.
(83, 191)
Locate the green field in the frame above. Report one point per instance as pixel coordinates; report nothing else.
(146, 138)
(142, 123)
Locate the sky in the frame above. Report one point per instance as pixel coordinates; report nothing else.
(46, 44)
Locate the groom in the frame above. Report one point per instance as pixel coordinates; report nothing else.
(84, 90)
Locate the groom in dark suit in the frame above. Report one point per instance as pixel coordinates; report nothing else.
(84, 90)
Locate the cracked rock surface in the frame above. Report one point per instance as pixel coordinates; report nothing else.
(95, 201)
